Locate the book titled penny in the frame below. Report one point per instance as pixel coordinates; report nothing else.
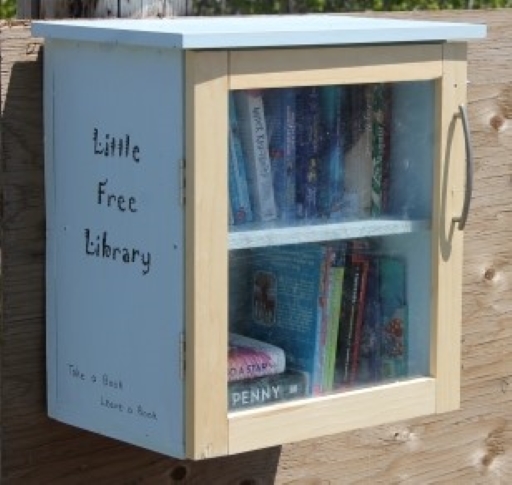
(267, 390)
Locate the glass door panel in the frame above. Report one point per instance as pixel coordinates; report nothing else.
(330, 203)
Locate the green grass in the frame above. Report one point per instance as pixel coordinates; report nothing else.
(7, 9)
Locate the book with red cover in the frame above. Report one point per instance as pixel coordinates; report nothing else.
(351, 319)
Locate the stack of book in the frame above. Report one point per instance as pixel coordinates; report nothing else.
(309, 153)
(257, 374)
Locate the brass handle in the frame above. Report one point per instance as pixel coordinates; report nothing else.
(461, 220)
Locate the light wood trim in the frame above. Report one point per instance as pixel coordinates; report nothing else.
(207, 250)
(346, 65)
(296, 421)
(447, 249)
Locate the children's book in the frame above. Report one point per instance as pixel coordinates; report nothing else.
(394, 337)
(240, 204)
(267, 390)
(280, 113)
(288, 293)
(253, 133)
(249, 358)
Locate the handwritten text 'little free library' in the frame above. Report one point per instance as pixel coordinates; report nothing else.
(98, 243)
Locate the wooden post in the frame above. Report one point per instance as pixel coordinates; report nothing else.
(27, 9)
(50, 9)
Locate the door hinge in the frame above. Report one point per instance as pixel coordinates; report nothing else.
(183, 181)
(183, 355)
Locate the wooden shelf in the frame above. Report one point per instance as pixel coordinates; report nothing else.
(272, 234)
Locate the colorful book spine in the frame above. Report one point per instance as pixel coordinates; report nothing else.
(335, 296)
(323, 320)
(253, 133)
(281, 113)
(380, 100)
(394, 342)
(310, 144)
(249, 358)
(347, 323)
(360, 259)
(238, 190)
(331, 167)
(370, 352)
(267, 390)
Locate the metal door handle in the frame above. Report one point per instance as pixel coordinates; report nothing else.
(461, 220)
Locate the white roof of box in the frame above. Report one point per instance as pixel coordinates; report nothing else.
(237, 32)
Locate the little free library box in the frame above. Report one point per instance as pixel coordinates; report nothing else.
(254, 226)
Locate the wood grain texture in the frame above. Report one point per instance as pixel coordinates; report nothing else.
(470, 446)
(277, 68)
(206, 264)
(107, 8)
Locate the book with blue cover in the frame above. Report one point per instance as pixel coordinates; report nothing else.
(311, 140)
(286, 298)
(240, 205)
(280, 113)
(330, 186)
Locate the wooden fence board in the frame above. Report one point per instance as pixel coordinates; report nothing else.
(470, 446)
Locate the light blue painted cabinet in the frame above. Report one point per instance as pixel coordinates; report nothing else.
(253, 226)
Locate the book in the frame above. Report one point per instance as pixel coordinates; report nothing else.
(330, 191)
(249, 358)
(287, 288)
(240, 204)
(394, 336)
(380, 101)
(280, 113)
(357, 179)
(253, 134)
(369, 369)
(323, 319)
(354, 294)
(310, 145)
(267, 390)
(336, 275)
(359, 257)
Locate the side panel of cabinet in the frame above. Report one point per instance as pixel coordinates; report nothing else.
(447, 248)
(207, 253)
(115, 239)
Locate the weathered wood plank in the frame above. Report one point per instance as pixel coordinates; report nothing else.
(111, 8)
(470, 446)
(27, 9)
